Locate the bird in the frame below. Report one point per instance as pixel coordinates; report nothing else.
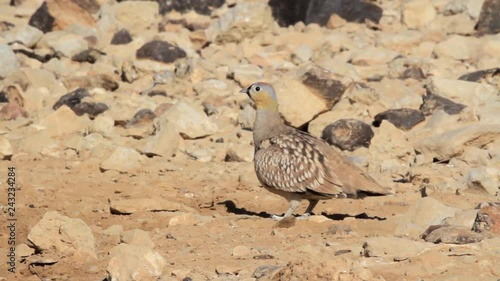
(297, 165)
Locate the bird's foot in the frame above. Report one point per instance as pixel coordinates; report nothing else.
(304, 216)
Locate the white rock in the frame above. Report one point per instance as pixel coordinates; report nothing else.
(24, 33)
(211, 87)
(457, 47)
(428, 211)
(137, 237)
(123, 159)
(134, 263)
(65, 235)
(114, 230)
(240, 153)
(302, 54)
(189, 121)
(246, 74)
(391, 247)
(5, 148)
(165, 141)
(245, 20)
(241, 251)
(64, 121)
(8, 61)
(103, 125)
(67, 44)
(372, 56)
(484, 179)
(418, 13)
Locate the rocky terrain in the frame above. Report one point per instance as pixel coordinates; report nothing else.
(132, 149)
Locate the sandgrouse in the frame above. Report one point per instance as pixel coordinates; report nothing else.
(297, 165)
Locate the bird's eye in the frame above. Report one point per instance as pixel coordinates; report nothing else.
(257, 88)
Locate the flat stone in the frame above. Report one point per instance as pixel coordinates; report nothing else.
(240, 153)
(348, 134)
(134, 263)
(8, 60)
(160, 51)
(465, 92)
(451, 234)
(130, 206)
(432, 102)
(457, 47)
(246, 74)
(393, 247)
(65, 43)
(429, 211)
(26, 34)
(189, 121)
(402, 118)
(484, 179)
(137, 237)
(64, 121)
(123, 159)
(63, 234)
(164, 142)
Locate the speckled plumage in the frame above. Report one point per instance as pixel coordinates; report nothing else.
(297, 165)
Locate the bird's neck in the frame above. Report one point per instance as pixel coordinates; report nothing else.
(268, 124)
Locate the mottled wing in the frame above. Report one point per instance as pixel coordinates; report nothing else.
(293, 163)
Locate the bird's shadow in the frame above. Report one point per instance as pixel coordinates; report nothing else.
(233, 209)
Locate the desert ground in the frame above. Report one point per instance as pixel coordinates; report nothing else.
(126, 148)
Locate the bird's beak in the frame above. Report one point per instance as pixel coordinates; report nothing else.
(244, 91)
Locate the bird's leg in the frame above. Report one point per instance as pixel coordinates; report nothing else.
(312, 204)
(294, 204)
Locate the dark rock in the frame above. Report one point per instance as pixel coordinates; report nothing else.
(160, 51)
(325, 84)
(451, 234)
(265, 270)
(432, 102)
(72, 99)
(402, 118)
(143, 116)
(122, 37)
(203, 7)
(91, 6)
(489, 19)
(15, 106)
(104, 81)
(91, 108)
(413, 72)
(42, 19)
(89, 55)
(3, 97)
(488, 220)
(477, 76)
(348, 134)
(289, 12)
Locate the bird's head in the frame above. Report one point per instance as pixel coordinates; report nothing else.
(263, 95)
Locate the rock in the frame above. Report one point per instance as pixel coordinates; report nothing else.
(373, 56)
(330, 87)
(104, 81)
(465, 218)
(66, 235)
(402, 118)
(114, 230)
(451, 234)
(134, 263)
(160, 51)
(452, 143)
(64, 121)
(135, 16)
(8, 60)
(245, 20)
(240, 153)
(246, 74)
(489, 19)
(301, 54)
(69, 12)
(241, 251)
(130, 206)
(393, 247)
(142, 117)
(290, 12)
(211, 87)
(71, 99)
(6, 150)
(164, 142)
(457, 47)
(190, 122)
(23, 251)
(64, 43)
(25, 34)
(418, 13)
(42, 19)
(265, 270)
(432, 102)
(484, 179)
(103, 125)
(428, 211)
(121, 37)
(189, 219)
(123, 160)
(91, 108)
(488, 220)
(479, 75)
(15, 106)
(137, 237)
(348, 134)
(199, 6)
